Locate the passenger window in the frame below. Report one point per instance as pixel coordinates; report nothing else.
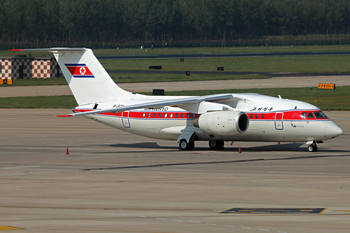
(262, 116)
(194, 115)
(144, 114)
(303, 115)
(177, 115)
(310, 115)
(256, 116)
(171, 115)
(182, 115)
(251, 116)
(160, 115)
(165, 115)
(149, 114)
(154, 115)
(188, 115)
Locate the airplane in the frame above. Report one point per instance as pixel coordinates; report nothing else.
(214, 118)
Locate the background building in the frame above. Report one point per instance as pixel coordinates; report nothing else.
(29, 67)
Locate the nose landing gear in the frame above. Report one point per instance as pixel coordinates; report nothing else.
(312, 147)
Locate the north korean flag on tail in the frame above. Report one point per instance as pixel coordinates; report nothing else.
(79, 71)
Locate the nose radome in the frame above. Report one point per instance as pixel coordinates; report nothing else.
(332, 130)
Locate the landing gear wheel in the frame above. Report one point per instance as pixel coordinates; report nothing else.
(312, 147)
(216, 145)
(184, 145)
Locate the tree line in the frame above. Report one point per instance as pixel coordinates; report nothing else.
(70, 21)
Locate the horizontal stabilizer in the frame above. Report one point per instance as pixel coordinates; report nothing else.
(67, 115)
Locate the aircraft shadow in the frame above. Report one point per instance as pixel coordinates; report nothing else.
(216, 162)
(144, 145)
(276, 147)
(284, 147)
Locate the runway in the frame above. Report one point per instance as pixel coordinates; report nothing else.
(113, 181)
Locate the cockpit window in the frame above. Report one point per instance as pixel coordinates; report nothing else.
(303, 115)
(310, 115)
(320, 115)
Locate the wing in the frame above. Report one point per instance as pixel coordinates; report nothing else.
(157, 104)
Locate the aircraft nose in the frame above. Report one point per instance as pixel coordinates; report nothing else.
(332, 130)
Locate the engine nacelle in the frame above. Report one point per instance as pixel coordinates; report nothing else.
(223, 122)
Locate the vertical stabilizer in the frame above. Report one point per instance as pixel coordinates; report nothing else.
(86, 77)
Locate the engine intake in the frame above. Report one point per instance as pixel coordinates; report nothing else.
(223, 122)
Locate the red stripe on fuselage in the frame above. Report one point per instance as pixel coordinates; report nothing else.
(287, 115)
(268, 116)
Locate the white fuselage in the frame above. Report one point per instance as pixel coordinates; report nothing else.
(270, 119)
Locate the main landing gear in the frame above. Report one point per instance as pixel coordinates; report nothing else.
(312, 147)
(216, 145)
(184, 145)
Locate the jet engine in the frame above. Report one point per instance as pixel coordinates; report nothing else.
(223, 122)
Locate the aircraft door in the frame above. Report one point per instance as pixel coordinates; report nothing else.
(125, 119)
(279, 121)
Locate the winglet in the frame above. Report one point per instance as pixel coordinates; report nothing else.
(67, 115)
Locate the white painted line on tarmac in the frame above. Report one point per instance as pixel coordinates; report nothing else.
(176, 220)
(19, 167)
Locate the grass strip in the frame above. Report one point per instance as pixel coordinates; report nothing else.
(305, 64)
(62, 101)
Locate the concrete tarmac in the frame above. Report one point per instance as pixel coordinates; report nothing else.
(112, 181)
(275, 82)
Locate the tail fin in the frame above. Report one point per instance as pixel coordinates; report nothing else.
(86, 77)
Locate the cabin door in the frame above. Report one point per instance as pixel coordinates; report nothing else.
(125, 119)
(279, 121)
